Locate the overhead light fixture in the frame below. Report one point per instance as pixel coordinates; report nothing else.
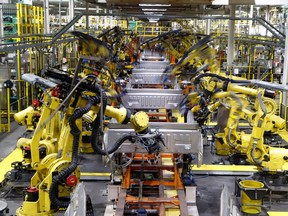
(153, 20)
(81, 8)
(154, 14)
(220, 2)
(154, 5)
(267, 2)
(154, 9)
(102, 1)
(252, 2)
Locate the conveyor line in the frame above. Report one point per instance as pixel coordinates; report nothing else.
(94, 176)
(16, 155)
(5, 164)
(206, 169)
(271, 213)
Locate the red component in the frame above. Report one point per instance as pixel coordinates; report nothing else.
(71, 180)
(35, 103)
(56, 92)
(32, 190)
(32, 194)
(96, 73)
(27, 148)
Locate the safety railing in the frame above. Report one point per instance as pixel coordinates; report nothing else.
(10, 101)
(37, 52)
(30, 19)
(150, 31)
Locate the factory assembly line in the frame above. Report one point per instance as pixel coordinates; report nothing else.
(148, 155)
(147, 108)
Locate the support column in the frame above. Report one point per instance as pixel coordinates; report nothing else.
(87, 17)
(231, 38)
(267, 18)
(105, 19)
(53, 57)
(110, 19)
(285, 69)
(46, 17)
(97, 17)
(238, 21)
(251, 16)
(208, 26)
(60, 15)
(1, 23)
(71, 12)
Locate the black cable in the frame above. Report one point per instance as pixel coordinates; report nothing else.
(97, 148)
(89, 207)
(96, 124)
(197, 80)
(96, 127)
(62, 175)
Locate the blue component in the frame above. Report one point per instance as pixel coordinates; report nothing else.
(141, 212)
(187, 181)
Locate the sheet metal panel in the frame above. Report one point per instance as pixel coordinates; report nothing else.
(146, 78)
(183, 140)
(153, 64)
(152, 98)
(145, 70)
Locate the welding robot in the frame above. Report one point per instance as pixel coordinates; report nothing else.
(212, 85)
(268, 159)
(79, 100)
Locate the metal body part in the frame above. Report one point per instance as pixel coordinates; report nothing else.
(152, 98)
(179, 138)
(153, 64)
(78, 202)
(146, 76)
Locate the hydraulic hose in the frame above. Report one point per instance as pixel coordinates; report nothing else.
(236, 113)
(75, 131)
(260, 122)
(112, 149)
(229, 139)
(258, 162)
(197, 80)
(262, 105)
(96, 124)
(96, 128)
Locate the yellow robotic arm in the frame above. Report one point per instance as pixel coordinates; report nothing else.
(264, 119)
(25, 117)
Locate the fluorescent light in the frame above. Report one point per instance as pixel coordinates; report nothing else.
(80, 8)
(251, 2)
(152, 13)
(102, 1)
(268, 2)
(154, 9)
(220, 2)
(153, 20)
(154, 5)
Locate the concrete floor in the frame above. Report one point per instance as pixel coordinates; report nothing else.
(208, 187)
